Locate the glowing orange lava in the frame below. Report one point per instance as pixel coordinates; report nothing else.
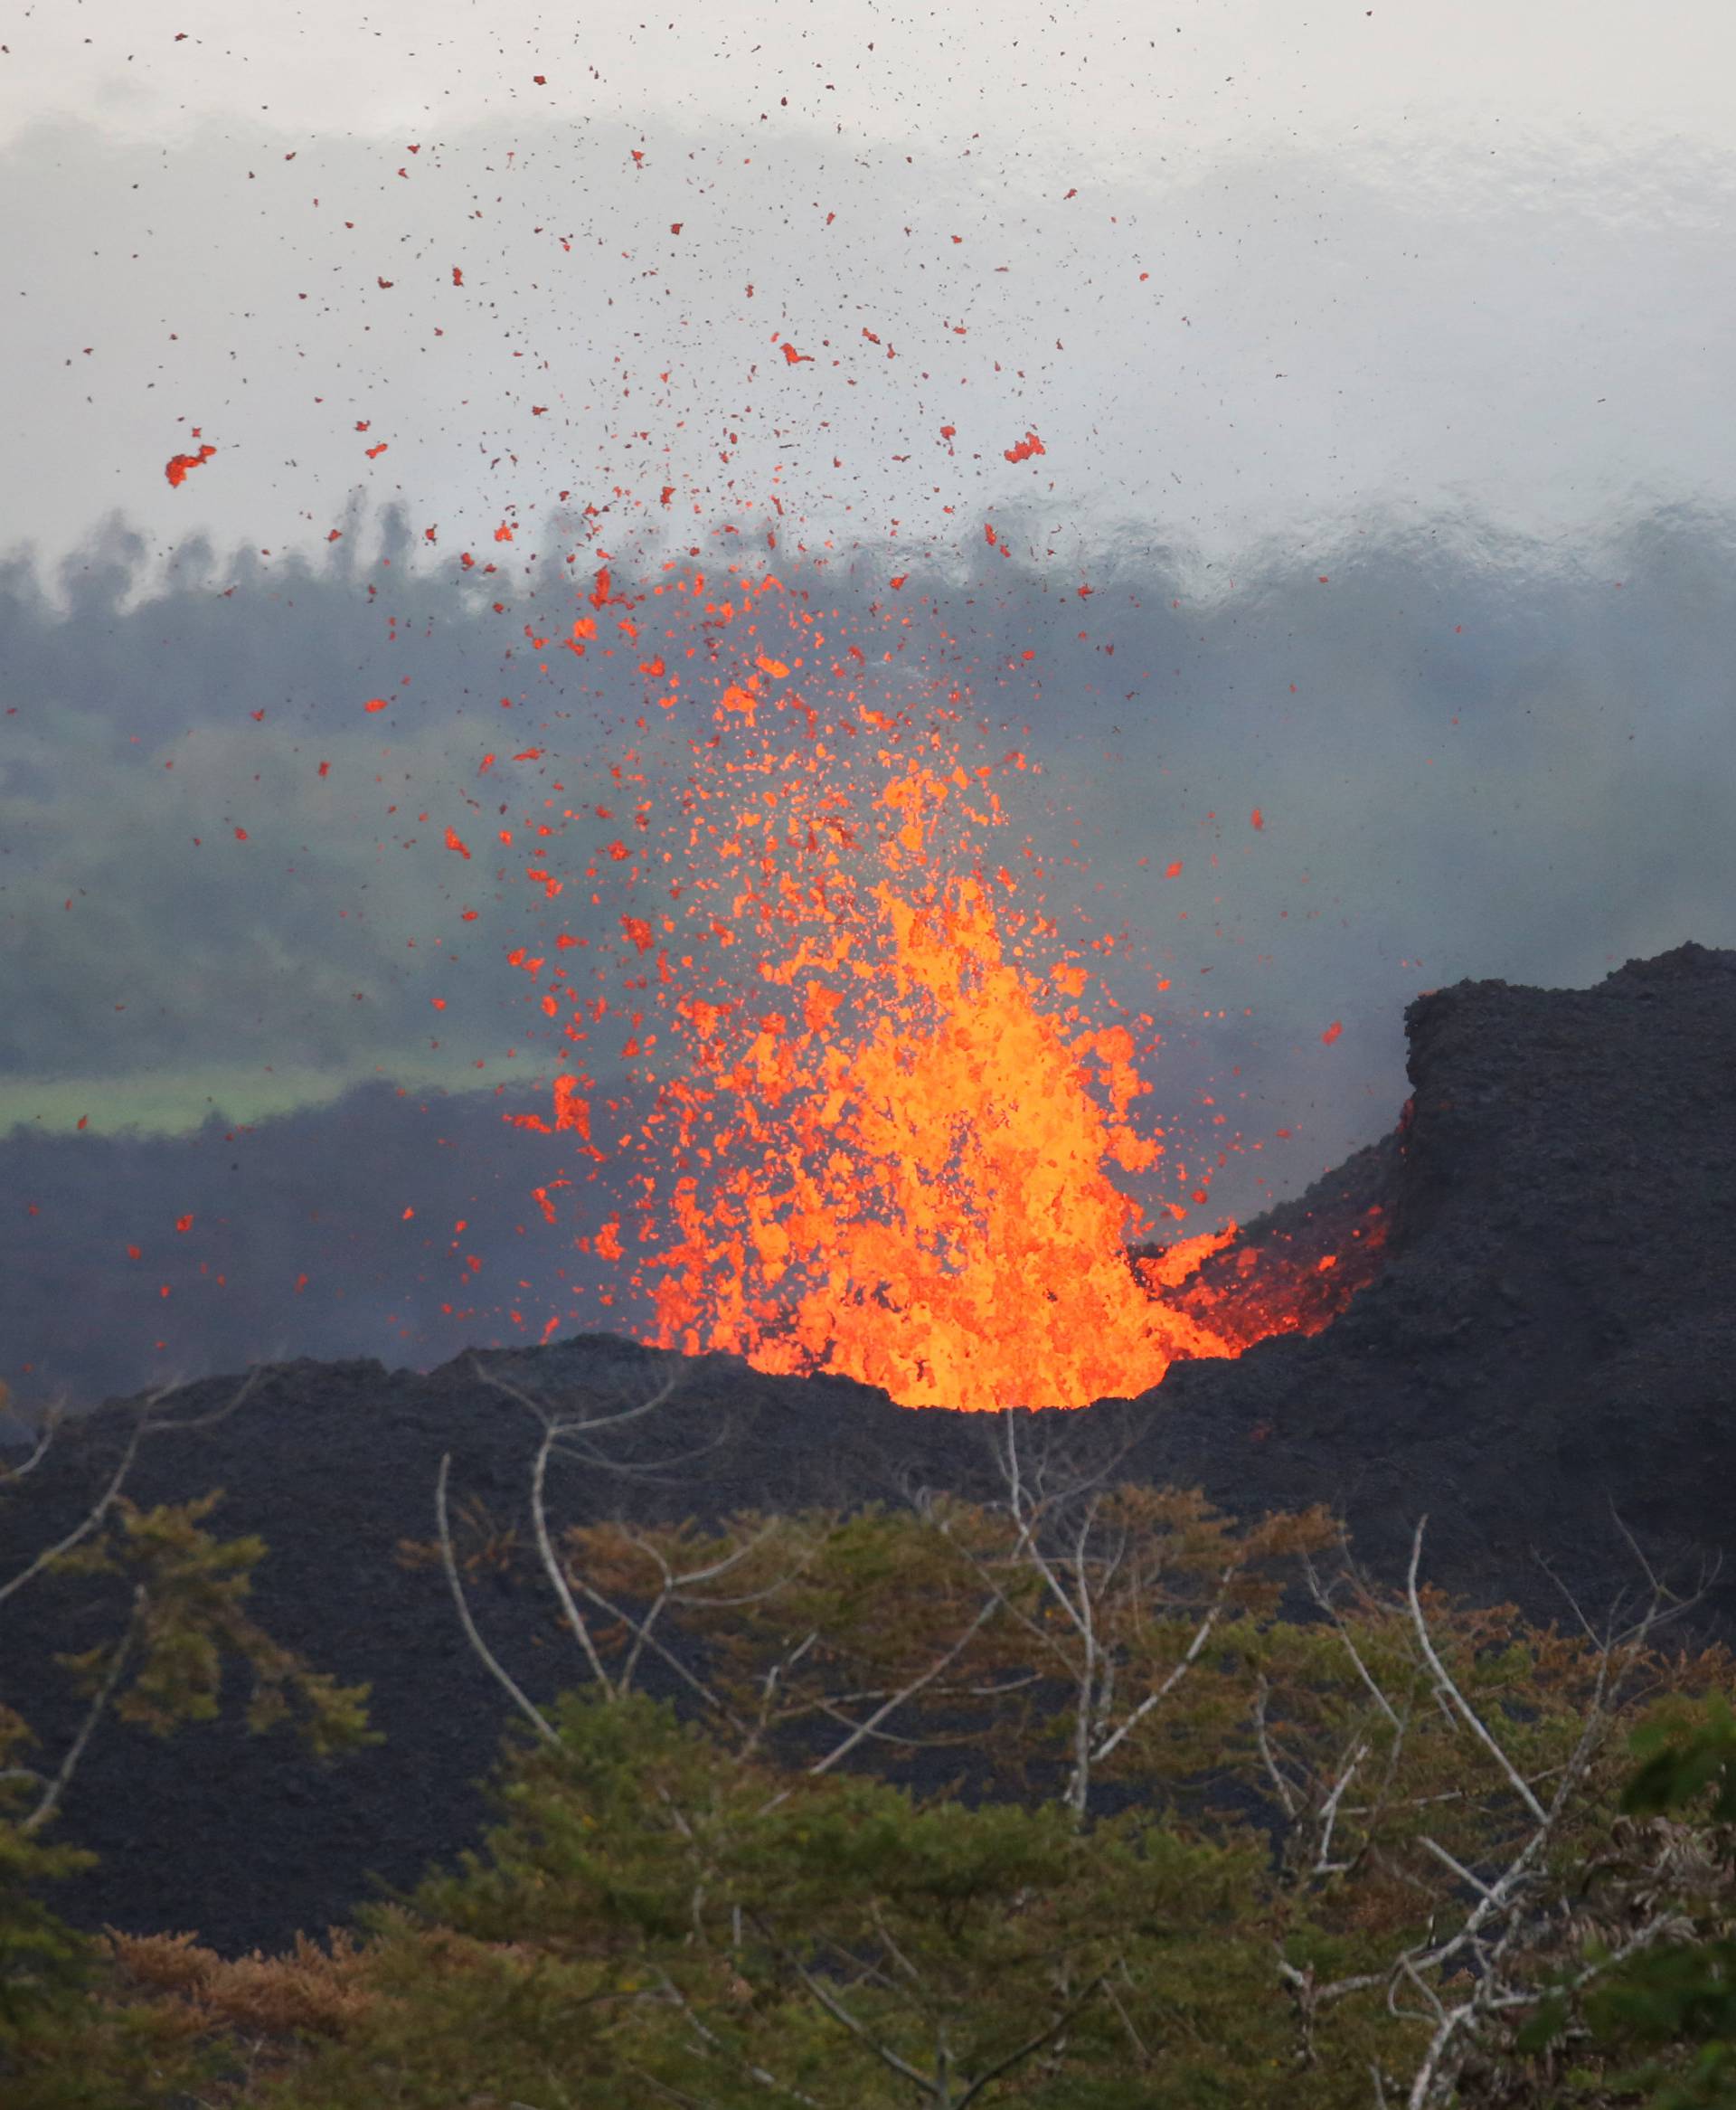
(923, 1169)
(885, 1109)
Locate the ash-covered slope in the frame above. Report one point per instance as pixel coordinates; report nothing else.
(1553, 1332)
(1553, 1328)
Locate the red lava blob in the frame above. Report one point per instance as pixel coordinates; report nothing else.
(175, 469)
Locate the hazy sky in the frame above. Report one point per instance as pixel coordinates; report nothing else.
(1378, 360)
(1253, 272)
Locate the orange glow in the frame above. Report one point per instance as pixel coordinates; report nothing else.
(926, 1207)
(1280, 1286)
(885, 1110)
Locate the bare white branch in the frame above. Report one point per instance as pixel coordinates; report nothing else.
(835, 2008)
(52, 1416)
(1445, 1683)
(1324, 1601)
(1280, 1786)
(1162, 1692)
(56, 1788)
(93, 1518)
(519, 1699)
(643, 1630)
(551, 1568)
(714, 2043)
(1323, 1864)
(906, 1692)
(1036, 2043)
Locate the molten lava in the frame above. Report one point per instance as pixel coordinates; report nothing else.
(883, 1112)
(923, 1169)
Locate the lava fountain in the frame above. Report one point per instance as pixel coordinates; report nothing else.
(885, 1107)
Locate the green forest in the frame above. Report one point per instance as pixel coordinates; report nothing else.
(1086, 1796)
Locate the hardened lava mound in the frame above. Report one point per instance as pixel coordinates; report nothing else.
(1540, 1355)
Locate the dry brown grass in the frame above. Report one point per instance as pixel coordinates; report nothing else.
(263, 2009)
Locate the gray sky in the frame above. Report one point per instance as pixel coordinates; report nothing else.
(1465, 260)
(1377, 355)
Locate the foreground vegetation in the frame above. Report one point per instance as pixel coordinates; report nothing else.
(1085, 1797)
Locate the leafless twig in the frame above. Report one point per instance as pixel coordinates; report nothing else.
(519, 1699)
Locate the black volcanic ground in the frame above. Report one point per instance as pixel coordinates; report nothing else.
(1553, 1331)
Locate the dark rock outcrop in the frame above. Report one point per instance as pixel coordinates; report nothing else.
(1553, 1332)
(1549, 1345)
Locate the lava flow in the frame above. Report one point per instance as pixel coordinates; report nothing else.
(878, 1112)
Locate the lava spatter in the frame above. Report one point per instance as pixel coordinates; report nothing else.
(882, 1123)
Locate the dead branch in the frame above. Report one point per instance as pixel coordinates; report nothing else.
(94, 1516)
(907, 1691)
(144, 1424)
(56, 1787)
(53, 1414)
(525, 1706)
(557, 1577)
(1445, 1684)
(1506, 1926)
(715, 2044)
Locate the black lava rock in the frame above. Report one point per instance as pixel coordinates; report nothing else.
(1546, 1354)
